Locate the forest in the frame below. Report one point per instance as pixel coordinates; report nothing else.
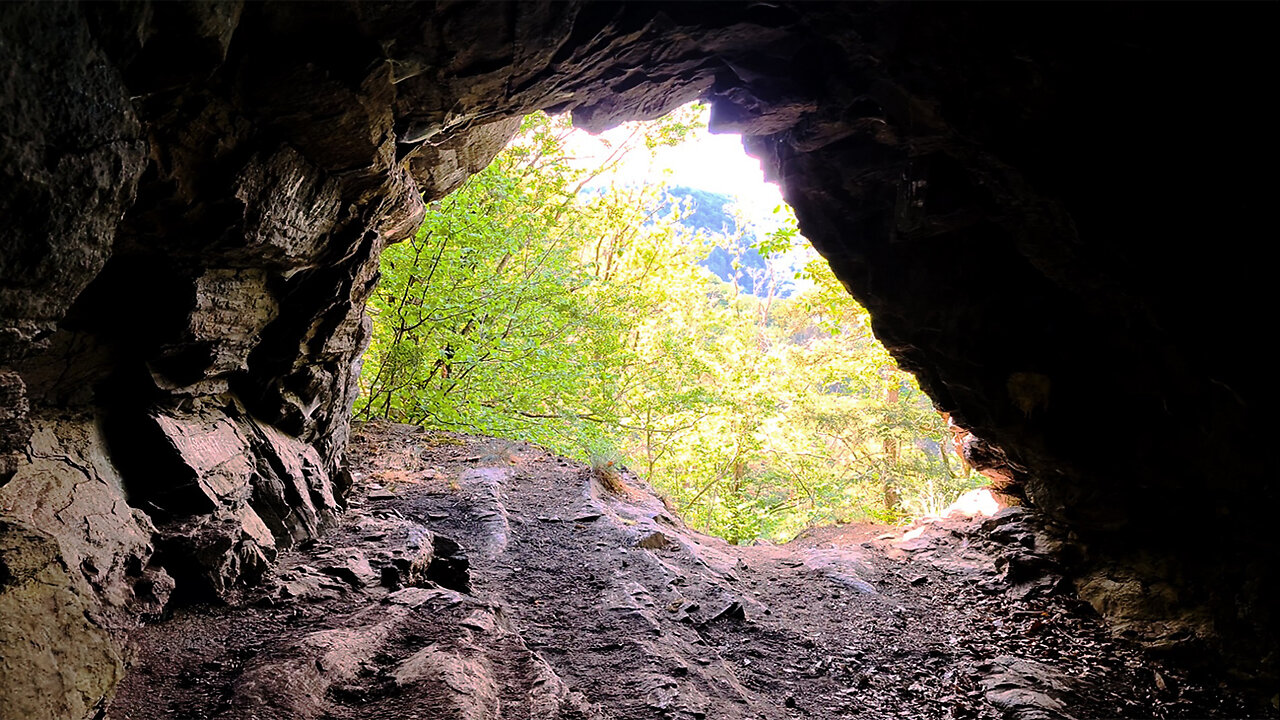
(657, 329)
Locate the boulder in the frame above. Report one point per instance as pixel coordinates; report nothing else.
(58, 659)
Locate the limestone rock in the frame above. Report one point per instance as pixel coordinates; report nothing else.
(71, 490)
(15, 425)
(71, 159)
(1027, 690)
(351, 566)
(57, 658)
(1152, 612)
(654, 541)
(225, 490)
(78, 571)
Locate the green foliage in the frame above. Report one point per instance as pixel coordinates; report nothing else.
(533, 306)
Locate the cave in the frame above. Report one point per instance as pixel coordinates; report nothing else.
(1055, 214)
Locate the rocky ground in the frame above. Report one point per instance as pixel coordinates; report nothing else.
(477, 579)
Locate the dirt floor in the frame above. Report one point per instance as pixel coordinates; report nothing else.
(475, 579)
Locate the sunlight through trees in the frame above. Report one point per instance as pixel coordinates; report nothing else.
(541, 303)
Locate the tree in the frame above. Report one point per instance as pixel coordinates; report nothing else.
(541, 303)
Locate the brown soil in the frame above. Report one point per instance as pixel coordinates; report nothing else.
(578, 602)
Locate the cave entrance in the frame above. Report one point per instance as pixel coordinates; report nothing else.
(643, 299)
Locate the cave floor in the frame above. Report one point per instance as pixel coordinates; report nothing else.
(579, 602)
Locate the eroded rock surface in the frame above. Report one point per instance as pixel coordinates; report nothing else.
(591, 603)
(1051, 212)
(77, 572)
(60, 659)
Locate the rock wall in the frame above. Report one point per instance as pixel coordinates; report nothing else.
(1044, 232)
(1052, 213)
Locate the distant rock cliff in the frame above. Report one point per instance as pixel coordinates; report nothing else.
(734, 259)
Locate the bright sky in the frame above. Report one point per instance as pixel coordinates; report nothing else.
(716, 163)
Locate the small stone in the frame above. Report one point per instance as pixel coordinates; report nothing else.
(733, 611)
(655, 541)
(479, 620)
(354, 569)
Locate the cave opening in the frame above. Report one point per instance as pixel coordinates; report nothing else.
(642, 299)
(1061, 249)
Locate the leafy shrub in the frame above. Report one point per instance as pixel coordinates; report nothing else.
(529, 308)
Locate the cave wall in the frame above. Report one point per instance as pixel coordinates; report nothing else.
(1046, 232)
(1054, 213)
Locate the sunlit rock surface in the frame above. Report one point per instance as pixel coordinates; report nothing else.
(1055, 214)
